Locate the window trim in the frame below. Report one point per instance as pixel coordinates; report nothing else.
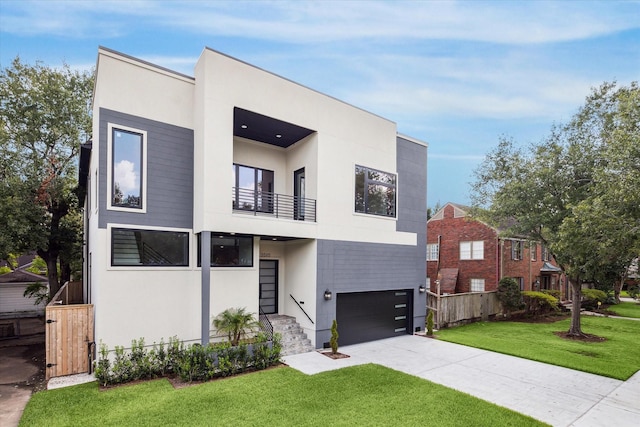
(484, 284)
(111, 226)
(517, 254)
(437, 251)
(471, 257)
(143, 175)
(533, 251)
(395, 192)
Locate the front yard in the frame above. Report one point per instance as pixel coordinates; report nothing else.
(362, 395)
(617, 357)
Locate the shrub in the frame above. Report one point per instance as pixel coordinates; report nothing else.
(235, 323)
(537, 303)
(190, 363)
(5, 269)
(553, 292)
(430, 323)
(591, 298)
(334, 337)
(509, 294)
(633, 291)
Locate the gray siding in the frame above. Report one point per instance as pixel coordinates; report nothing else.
(411, 164)
(359, 267)
(169, 173)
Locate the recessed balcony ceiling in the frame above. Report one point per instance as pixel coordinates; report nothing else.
(254, 126)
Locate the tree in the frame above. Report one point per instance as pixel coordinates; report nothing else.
(573, 191)
(509, 294)
(236, 323)
(44, 117)
(334, 337)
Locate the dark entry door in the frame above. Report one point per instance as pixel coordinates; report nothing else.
(269, 286)
(369, 316)
(298, 194)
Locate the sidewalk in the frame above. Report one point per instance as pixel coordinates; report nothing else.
(555, 395)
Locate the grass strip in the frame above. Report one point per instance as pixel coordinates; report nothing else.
(367, 395)
(617, 357)
(626, 309)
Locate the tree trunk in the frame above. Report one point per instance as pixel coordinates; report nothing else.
(52, 271)
(575, 329)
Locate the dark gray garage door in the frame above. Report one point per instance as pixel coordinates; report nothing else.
(368, 316)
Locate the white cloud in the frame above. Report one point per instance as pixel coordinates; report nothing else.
(126, 177)
(302, 22)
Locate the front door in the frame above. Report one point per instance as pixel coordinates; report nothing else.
(269, 286)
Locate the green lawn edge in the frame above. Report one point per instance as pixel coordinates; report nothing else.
(626, 309)
(365, 395)
(615, 358)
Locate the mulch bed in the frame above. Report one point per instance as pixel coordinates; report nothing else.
(583, 338)
(334, 356)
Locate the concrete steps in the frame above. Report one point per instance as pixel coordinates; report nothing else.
(294, 340)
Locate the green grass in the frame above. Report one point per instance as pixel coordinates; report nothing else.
(617, 357)
(367, 395)
(624, 294)
(626, 309)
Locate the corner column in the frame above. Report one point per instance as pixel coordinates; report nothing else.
(205, 263)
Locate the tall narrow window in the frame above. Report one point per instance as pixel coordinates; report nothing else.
(127, 168)
(375, 192)
(432, 251)
(533, 249)
(516, 250)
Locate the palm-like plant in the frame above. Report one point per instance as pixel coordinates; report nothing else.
(235, 323)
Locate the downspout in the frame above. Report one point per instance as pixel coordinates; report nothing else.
(205, 277)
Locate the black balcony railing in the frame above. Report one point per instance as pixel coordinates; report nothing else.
(274, 204)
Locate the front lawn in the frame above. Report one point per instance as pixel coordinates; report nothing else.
(617, 357)
(626, 309)
(367, 395)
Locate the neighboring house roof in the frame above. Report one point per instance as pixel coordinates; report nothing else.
(21, 276)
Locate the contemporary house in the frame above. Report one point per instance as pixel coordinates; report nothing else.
(235, 187)
(467, 255)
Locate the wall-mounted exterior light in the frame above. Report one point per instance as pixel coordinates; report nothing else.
(422, 289)
(327, 295)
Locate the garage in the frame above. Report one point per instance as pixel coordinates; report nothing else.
(369, 316)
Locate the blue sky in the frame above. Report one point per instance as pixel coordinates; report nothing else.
(456, 74)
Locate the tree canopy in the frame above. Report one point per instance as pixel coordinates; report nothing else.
(578, 191)
(44, 117)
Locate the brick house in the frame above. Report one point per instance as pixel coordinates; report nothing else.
(468, 255)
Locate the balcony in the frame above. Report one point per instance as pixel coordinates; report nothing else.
(272, 204)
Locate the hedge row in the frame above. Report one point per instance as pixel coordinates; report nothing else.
(191, 363)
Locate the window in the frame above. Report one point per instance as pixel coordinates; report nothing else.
(230, 251)
(253, 189)
(545, 253)
(130, 247)
(520, 281)
(477, 285)
(516, 249)
(533, 249)
(432, 251)
(472, 250)
(127, 168)
(375, 192)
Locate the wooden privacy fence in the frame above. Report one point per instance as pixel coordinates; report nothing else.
(68, 334)
(456, 309)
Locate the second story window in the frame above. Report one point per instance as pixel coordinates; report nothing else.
(127, 154)
(545, 253)
(472, 250)
(533, 249)
(253, 189)
(375, 192)
(432, 251)
(516, 249)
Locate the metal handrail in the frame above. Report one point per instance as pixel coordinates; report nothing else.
(265, 324)
(305, 313)
(279, 205)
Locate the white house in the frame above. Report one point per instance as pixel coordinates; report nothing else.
(236, 187)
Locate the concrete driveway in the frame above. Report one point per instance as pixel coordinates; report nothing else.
(21, 370)
(555, 395)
